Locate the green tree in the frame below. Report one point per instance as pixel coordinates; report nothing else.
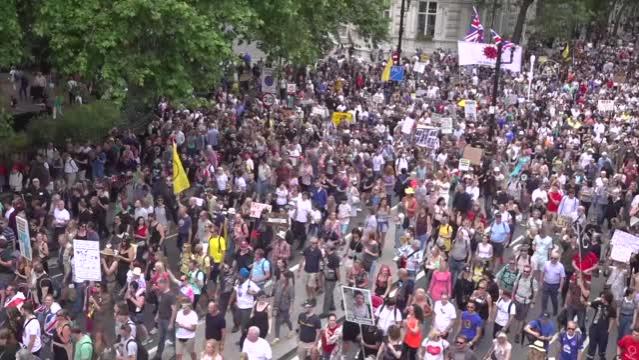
(10, 34)
(155, 47)
(301, 31)
(561, 19)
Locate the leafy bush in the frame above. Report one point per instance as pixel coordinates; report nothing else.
(90, 122)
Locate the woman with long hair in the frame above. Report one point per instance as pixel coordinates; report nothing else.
(441, 281)
(412, 331)
(383, 281)
(392, 349)
(62, 346)
(126, 255)
(383, 217)
(8, 345)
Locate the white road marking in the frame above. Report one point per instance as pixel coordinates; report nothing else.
(517, 240)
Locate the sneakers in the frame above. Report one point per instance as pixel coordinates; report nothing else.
(153, 331)
(169, 342)
(275, 341)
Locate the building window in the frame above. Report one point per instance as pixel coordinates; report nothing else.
(426, 15)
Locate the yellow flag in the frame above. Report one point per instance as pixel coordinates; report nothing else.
(387, 69)
(462, 103)
(180, 180)
(565, 53)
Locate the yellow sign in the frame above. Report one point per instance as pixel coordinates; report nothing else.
(424, 57)
(462, 103)
(575, 124)
(339, 117)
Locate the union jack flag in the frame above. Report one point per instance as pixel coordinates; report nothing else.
(476, 31)
(497, 39)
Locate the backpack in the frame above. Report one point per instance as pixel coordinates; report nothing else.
(142, 353)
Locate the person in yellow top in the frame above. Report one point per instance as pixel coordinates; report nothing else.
(445, 235)
(217, 251)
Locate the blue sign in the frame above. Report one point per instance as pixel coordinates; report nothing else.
(22, 226)
(397, 73)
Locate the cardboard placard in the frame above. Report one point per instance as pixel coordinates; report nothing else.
(358, 305)
(464, 165)
(606, 105)
(339, 117)
(470, 109)
(257, 209)
(624, 239)
(473, 154)
(291, 88)
(86, 260)
(446, 125)
(419, 67)
(621, 253)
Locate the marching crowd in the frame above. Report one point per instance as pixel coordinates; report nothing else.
(270, 182)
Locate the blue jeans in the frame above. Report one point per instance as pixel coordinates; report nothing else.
(164, 334)
(456, 267)
(422, 240)
(625, 324)
(550, 291)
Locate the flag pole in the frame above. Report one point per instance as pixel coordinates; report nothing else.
(530, 75)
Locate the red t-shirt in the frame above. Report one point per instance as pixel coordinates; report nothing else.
(629, 348)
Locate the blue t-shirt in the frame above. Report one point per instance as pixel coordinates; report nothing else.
(259, 270)
(470, 323)
(547, 329)
(570, 347)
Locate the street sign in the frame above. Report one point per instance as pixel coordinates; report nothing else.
(268, 99)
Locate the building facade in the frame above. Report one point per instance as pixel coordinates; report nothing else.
(432, 24)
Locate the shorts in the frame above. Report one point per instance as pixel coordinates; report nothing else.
(382, 226)
(184, 346)
(521, 311)
(304, 349)
(311, 279)
(498, 249)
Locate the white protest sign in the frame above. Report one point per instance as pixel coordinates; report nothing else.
(447, 125)
(407, 125)
(621, 254)
(464, 165)
(291, 88)
(86, 260)
(470, 109)
(606, 105)
(626, 240)
(257, 209)
(419, 67)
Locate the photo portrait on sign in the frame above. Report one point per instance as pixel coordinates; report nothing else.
(357, 305)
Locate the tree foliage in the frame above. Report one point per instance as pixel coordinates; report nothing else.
(10, 34)
(171, 47)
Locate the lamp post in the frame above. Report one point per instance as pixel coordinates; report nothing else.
(498, 63)
(401, 32)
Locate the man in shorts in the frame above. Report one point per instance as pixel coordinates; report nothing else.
(311, 266)
(524, 291)
(499, 236)
(185, 327)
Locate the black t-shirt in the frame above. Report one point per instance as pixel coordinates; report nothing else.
(309, 324)
(603, 314)
(166, 301)
(312, 259)
(214, 326)
(6, 255)
(371, 335)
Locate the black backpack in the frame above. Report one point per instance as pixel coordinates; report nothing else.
(142, 353)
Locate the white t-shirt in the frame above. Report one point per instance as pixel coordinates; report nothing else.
(304, 207)
(189, 319)
(258, 350)
(503, 311)
(434, 350)
(61, 216)
(445, 315)
(388, 317)
(244, 299)
(32, 327)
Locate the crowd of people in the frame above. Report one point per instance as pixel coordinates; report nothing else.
(282, 182)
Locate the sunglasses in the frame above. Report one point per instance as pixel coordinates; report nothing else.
(572, 328)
